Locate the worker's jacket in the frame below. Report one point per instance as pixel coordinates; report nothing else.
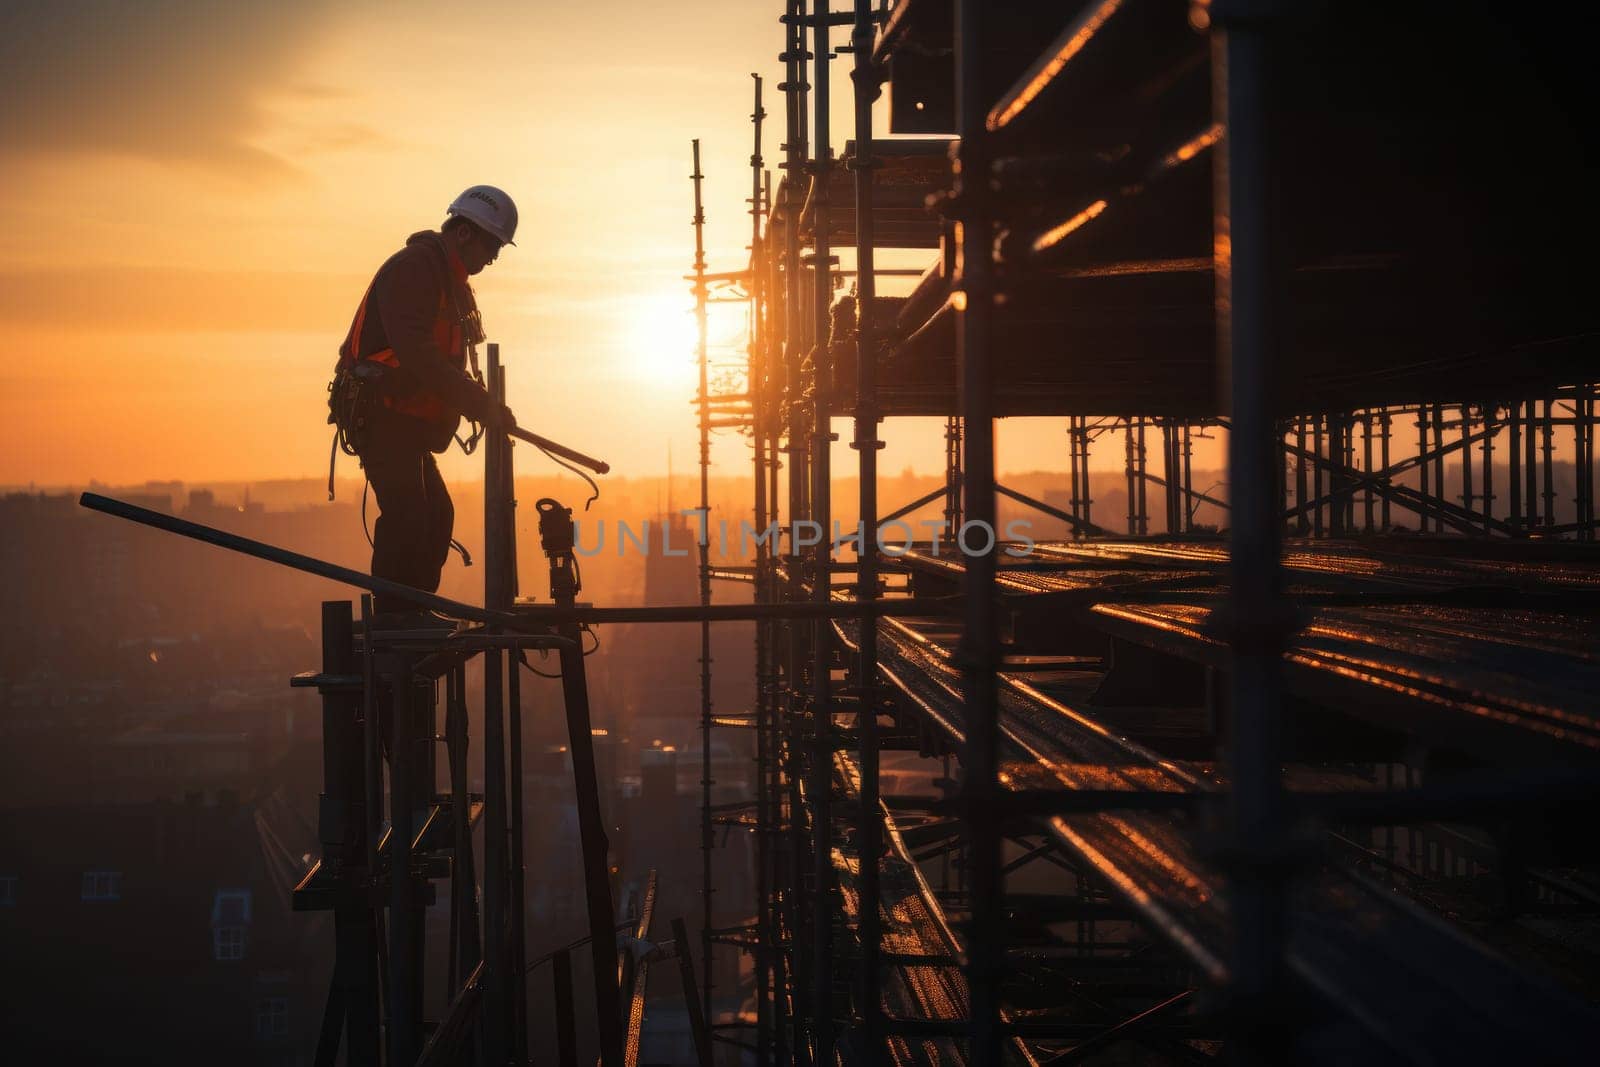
(413, 319)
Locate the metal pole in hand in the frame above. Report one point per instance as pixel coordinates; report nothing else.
(569, 454)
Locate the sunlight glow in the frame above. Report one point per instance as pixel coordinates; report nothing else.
(659, 340)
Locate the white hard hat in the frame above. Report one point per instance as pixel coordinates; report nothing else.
(490, 208)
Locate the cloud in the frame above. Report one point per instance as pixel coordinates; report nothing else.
(342, 137)
(176, 300)
(316, 91)
(176, 81)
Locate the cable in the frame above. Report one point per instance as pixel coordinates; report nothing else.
(522, 656)
(621, 926)
(593, 488)
(466, 557)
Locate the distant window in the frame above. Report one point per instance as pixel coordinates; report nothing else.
(8, 890)
(230, 923)
(227, 942)
(272, 1017)
(102, 885)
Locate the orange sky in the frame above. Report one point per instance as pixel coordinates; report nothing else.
(196, 195)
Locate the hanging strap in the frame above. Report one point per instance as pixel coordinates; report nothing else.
(333, 457)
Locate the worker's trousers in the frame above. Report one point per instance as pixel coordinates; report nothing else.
(411, 539)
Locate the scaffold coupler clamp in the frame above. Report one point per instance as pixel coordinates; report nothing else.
(556, 535)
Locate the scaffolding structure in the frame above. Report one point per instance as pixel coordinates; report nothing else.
(1154, 221)
(1260, 766)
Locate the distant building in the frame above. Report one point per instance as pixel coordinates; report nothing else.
(159, 933)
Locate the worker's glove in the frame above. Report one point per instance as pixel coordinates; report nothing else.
(501, 419)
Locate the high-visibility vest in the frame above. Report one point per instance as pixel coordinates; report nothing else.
(447, 334)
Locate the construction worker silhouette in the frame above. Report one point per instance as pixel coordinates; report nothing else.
(413, 335)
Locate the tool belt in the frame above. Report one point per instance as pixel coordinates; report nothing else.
(354, 395)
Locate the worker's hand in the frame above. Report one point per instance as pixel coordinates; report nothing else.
(501, 419)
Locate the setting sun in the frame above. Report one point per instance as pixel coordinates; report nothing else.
(659, 341)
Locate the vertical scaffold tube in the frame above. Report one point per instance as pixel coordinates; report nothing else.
(1076, 501)
(1258, 620)
(1129, 475)
(1301, 493)
(865, 78)
(1422, 465)
(978, 652)
(1369, 498)
(1387, 424)
(463, 872)
(557, 539)
(1188, 481)
(773, 345)
(1141, 480)
(1436, 421)
(1318, 423)
(1530, 463)
(503, 596)
(1548, 449)
(498, 982)
(517, 954)
(795, 429)
(704, 402)
(1583, 442)
(343, 825)
(1489, 428)
(405, 1036)
(757, 388)
(1514, 464)
(952, 474)
(820, 787)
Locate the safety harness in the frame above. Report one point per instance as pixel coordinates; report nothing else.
(363, 381)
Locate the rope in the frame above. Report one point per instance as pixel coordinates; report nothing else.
(466, 557)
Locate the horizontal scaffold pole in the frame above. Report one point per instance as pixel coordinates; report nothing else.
(273, 554)
(525, 617)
